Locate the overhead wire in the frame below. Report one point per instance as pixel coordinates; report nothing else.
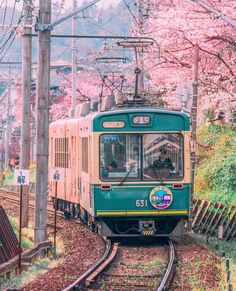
(130, 11)
(4, 46)
(30, 3)
(99, 26)
(1, 3)
(13, 13)
(92, 57)
(8, 30)
(61, 7)
(4, 16)
(8, 48)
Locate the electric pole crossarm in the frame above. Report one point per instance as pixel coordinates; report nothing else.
(216, 13)
(43, 27)
(137, 38)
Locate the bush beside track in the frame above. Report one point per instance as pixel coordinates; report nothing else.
(216, 169)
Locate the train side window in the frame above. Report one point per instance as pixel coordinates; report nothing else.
(61, 152)
(85, 154)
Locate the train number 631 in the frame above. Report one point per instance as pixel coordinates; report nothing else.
(141, 203)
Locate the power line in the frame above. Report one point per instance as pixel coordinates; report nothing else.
(30, 4)
(61, 7)
(8, 47)
(99, 26)
(8, 39)
(4, 16)
(1, 3)
(131, 13)
(13, 13)
(217, 13)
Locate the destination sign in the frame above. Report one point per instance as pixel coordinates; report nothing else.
(113, 124)
(141, 120)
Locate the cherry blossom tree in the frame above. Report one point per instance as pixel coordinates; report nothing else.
(88, 88)
(177, 26)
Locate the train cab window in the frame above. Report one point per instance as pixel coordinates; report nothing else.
(163, 156)
(120, 157)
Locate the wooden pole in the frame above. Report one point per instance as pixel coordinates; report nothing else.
(26, 94)
(42, 127)
(8, 127)
(20, 228)
(55, 218)
(141, 21)
(74, 61)
(194, 127)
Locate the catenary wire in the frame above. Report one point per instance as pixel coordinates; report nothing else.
(4, 16)
(3, 47)
(130, 11)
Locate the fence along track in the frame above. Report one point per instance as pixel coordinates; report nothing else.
(88, 277)
(8, 239)
(209, 216)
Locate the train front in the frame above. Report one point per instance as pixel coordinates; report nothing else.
(143, 183)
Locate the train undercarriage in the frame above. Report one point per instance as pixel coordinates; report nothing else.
(124, 226)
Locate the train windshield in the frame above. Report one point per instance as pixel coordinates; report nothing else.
(141, 157)
(163, 156)
(120, 156)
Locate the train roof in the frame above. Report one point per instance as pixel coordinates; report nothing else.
(161, 119)
(143, 110)
(172, 117)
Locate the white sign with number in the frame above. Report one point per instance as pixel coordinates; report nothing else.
(21, 177)
(57, 175)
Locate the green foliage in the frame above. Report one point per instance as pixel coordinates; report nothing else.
(27, 239)
(208, 115)
(216, 172)
(232, 116)
(40, 267)
(9, 177)
(225, 179)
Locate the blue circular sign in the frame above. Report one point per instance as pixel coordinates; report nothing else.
(161, 197)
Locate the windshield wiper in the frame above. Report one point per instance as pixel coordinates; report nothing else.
(157, 174)
(132, 166)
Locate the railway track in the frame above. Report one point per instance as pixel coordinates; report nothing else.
(14, 197)
(118, 269)
(99, 275)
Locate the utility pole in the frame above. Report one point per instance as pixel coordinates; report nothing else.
(42, 127)
(74, 61)
(25, 121)
(8, 125)
(194, 127)
(140, 21)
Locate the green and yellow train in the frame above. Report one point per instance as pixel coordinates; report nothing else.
(126, 172)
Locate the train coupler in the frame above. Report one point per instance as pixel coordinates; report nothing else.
(147, 227)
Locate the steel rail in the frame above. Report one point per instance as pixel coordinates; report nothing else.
(169, 274)
(95, 270)
(14, 197)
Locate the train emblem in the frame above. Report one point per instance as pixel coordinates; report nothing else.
(161, 197)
